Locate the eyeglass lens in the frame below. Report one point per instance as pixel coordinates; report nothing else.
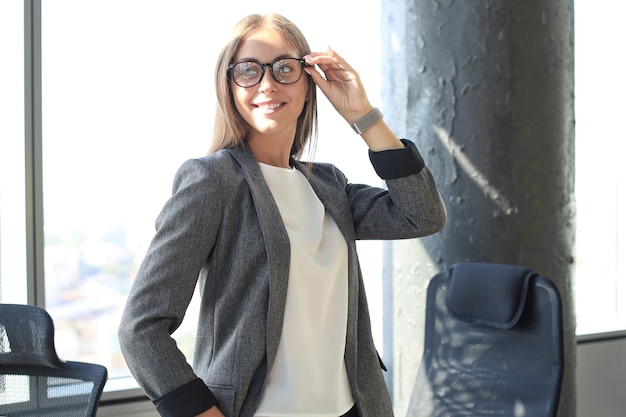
(250, 73)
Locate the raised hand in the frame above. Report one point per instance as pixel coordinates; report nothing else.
(340, 83)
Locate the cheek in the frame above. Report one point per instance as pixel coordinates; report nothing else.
(300, 91)
(305, 96)
(237, 96)
(240, 95)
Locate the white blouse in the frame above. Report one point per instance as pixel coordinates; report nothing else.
(309, 378)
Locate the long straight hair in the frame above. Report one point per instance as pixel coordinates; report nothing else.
(230, 129)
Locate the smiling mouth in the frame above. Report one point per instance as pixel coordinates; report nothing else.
(269, 106)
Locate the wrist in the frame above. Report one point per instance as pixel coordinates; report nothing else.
(211, 412)
(367, 121)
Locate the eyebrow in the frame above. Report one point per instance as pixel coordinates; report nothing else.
(244, 59)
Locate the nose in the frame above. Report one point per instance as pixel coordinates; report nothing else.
(267, 79)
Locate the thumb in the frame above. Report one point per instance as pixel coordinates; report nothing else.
(318, 78)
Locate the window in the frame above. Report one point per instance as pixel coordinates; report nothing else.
(127, 96)
(600, 178)
(12, 150)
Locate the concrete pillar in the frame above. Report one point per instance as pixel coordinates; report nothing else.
(485, 89)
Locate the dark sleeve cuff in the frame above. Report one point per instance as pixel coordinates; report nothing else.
(189, 400)
(397, 163)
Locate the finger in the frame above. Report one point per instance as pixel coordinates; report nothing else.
(317, 78)
(339, 59)
(324, 85)
(332, 70)
(329, 62)
(321, 60)
(329, 57)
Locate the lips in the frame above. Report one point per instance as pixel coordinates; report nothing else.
(268, 106)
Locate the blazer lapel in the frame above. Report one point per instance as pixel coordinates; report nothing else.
(334, 202)
(337, 205)
(277, 245)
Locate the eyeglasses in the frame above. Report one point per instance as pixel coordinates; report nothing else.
(247, 74)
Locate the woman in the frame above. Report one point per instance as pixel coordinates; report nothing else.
(284, 327)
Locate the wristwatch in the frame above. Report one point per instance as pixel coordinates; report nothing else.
(367, 121)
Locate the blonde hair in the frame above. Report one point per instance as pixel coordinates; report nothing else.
(230, 129)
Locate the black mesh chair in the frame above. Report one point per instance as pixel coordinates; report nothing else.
(33, 380)
(493, 344)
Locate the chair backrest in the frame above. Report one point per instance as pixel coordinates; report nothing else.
(33, 380)
(493, 344)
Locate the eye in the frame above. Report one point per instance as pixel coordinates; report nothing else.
(247, 69)
(284, 67)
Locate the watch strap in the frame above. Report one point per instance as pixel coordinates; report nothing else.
(367, 121)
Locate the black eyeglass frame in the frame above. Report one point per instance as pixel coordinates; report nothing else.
(270, 65)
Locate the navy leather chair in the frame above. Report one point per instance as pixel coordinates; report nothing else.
(493, 344)
(33, 380)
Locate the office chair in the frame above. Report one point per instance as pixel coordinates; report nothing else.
(493, 344)
(33, 380)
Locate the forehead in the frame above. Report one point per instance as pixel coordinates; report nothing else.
(265, 45)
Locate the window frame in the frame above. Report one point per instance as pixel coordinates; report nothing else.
(33, 154)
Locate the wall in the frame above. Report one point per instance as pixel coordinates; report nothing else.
(601, 378)
(138, 408)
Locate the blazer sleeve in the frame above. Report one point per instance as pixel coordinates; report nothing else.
(162, 290)
(410, 207)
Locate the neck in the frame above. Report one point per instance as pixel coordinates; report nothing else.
(271, 150)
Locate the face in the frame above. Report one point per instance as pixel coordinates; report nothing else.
(270, 108)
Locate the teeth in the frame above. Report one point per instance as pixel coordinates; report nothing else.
(269, 106)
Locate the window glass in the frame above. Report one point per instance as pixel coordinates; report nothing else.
(600, 177)
(12, 199)
(127, 97)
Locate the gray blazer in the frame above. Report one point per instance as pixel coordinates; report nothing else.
(222, 230)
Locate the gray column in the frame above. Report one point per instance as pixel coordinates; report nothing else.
(485, 89)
